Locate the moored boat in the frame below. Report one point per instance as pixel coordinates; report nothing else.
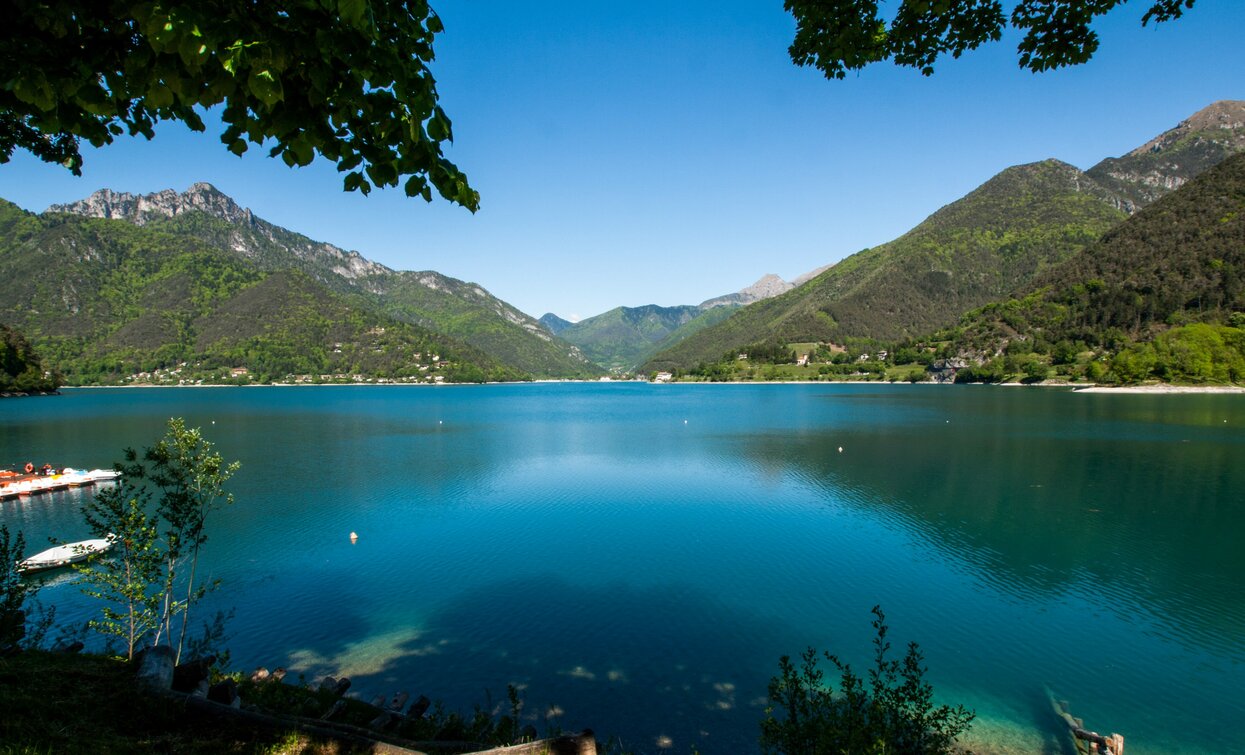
(103, 475)
(63, 555)
(47, 479)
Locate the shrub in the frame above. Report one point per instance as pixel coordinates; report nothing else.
(889, 710)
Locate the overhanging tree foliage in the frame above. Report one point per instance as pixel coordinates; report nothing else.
(837, 36)
(344, 79)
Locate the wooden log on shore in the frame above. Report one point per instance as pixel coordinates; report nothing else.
(338, 707)
(383, 721)
(419, 707)
(583, 743)
(155, 669)
(187, 676)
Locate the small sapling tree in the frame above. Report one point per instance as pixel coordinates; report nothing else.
(127, 581)
(190, 476)
(157, 517)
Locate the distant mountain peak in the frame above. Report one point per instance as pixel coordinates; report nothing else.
(140, 209)
(1227, 116)
(554, 324)
(767, 286)
(1175, 156)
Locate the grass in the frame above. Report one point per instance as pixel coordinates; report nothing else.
(56, 703)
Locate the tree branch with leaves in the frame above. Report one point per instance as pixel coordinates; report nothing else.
(348, 80)
(837, 36)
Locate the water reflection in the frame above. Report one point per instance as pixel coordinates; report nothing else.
(1046, 503)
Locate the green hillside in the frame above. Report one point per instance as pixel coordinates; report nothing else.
(467, 312)
(553, 323)
(624, 337)
(105, 300)
(460, 310)
(21, 369)
(979, 248)
(1160, 296)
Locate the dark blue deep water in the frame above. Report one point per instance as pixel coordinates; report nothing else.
(636, 558)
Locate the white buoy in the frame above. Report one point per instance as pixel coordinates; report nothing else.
(840, 449)
(685, 421)
(354, 537)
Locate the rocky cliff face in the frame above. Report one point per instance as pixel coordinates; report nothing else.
(141, 209)
(1176, 156)
(250, 236)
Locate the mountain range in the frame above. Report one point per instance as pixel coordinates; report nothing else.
(981, 248)
(101, 299)
(624, 337)
(193, 282)
(463, 311)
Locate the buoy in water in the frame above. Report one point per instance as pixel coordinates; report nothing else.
(840, 449)
(354, 537)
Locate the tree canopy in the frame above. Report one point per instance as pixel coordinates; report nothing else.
(837, 36)
(344, 79)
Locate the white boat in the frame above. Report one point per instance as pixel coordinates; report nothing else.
(63, 555)
(103, 475)
(76, 477)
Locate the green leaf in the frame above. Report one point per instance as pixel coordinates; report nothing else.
(353, 12)
(159, 96)
(301, 150)
(266, 87)
(415, 185)
(439, 127)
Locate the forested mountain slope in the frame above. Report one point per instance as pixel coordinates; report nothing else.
(1178, 262)
(106, 299)
(463, 311)
(625, 337)
(21, 369)
(976, 249)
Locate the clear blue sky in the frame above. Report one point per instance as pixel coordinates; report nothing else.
(641, 152)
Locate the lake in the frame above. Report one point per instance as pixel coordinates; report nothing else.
(637, 557)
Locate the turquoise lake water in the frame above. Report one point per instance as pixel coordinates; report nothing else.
(637, 557)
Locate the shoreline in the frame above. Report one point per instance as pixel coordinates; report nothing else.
(1151, 389)
(1162, 388)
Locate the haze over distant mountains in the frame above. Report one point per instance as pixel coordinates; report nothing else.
(624, 337)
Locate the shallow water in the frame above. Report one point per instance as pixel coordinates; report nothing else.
(637, 557)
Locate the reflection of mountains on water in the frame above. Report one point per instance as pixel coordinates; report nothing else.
(1149, 526)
